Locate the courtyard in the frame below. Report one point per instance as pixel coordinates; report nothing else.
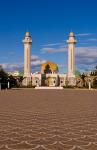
(48, 119)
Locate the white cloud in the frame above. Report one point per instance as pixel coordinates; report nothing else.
(83, 34)
(92, 40)
(51, 44)
(34, 57)
(86, 57)
(35, 63)
(53, 50)
(12, 67)
(90, 52)
(62, 66)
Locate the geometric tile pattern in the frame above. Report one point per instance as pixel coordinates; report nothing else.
(48, 120)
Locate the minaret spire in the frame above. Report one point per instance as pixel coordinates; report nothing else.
(27, 57)
(71, 55)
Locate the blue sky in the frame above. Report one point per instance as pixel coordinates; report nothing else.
(49, 22)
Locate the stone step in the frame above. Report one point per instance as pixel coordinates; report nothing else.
(46, 88)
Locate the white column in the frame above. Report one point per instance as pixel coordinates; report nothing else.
(71, 55)
(27, 58)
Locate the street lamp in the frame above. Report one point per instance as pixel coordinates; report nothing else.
(89, 83)
(8, 84)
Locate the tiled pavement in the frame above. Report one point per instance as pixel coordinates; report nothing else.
(48, 120)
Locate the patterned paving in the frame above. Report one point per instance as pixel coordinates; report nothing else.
(48, 120)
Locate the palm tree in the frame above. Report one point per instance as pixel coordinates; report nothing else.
(83, 79)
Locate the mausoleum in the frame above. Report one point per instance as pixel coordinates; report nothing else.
(49, 75)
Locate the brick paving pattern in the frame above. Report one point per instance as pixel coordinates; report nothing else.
(48, 120)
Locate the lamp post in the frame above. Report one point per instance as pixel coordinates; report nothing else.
(8, 83)
(89, 84)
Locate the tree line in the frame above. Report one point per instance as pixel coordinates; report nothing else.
(7, 81)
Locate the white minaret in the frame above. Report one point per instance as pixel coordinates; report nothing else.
(27, 57)
(71, 55)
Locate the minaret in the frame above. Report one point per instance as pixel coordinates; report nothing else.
(27, 58)
(71, 55)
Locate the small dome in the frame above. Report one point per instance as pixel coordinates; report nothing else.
(27, 34)
(72, 34)
(49, 67)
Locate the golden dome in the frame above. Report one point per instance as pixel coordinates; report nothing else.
(71, 34)
(49, 67)
(27, 34)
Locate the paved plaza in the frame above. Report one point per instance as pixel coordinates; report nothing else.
(48, 120)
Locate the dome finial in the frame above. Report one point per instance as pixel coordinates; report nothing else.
(27, 34)
(72, 34)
